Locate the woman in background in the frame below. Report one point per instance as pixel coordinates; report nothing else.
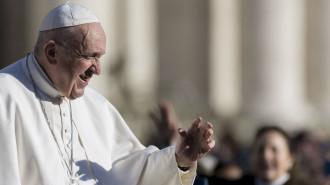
(272, 161)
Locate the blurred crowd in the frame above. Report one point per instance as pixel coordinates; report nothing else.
(274, 157)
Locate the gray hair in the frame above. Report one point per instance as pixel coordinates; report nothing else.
(63, 36)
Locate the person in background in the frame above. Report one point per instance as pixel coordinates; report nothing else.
(312, 161)
(272, 161)
(229, 170)
(272, 158)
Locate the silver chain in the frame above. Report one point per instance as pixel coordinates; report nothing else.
(69, 167)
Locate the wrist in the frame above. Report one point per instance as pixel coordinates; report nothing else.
(182, 163)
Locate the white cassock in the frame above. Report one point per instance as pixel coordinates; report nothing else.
(31, 154)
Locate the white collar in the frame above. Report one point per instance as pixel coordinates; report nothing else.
(43, 83)
(280, 181)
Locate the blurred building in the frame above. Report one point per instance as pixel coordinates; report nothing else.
(248, 61)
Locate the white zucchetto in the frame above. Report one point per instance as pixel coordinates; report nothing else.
(66, 15)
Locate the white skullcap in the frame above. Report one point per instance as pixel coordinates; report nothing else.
(66, 15)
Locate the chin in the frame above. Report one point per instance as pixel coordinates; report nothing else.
(77, 94)
(268, 178)
(264, 176)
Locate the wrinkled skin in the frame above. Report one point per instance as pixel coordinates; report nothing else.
(194, 143)
(71, 66)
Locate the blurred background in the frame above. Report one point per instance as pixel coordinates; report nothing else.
(237, 63)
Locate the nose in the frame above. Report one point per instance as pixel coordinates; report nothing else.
(96, 67)
(267, 154)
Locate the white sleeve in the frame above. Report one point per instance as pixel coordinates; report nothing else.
(9, 171)
(162, 168)
(189, 176)
(149, 166)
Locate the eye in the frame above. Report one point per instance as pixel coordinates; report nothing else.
(93, 57)
(274, 149)
(85, 57)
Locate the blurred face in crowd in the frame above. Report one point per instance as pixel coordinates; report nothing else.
(271, 157)
(79, 59)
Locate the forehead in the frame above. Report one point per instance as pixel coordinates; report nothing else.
(91, 38)
(272, 138)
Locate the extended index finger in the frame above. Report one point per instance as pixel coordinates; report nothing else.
(195, 125)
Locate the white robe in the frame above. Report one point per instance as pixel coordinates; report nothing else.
(29, 154)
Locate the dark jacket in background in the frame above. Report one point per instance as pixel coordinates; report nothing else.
(249, 180)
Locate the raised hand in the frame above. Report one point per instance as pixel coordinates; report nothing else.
(167, 124)
(194, 143)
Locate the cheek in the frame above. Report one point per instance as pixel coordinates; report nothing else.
(79, 67)
(68, 67)
(284, 163)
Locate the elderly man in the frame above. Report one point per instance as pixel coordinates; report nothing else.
(55, 130)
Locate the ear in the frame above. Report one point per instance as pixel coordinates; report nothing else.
(50, 52)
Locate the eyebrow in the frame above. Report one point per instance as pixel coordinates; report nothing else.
(94, 54)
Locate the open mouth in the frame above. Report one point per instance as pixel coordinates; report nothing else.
(86, 76)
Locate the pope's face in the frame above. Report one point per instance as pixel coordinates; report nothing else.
(271, 157)
(79, 61)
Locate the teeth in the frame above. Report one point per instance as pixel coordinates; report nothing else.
(85, 78)
(87, 75)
